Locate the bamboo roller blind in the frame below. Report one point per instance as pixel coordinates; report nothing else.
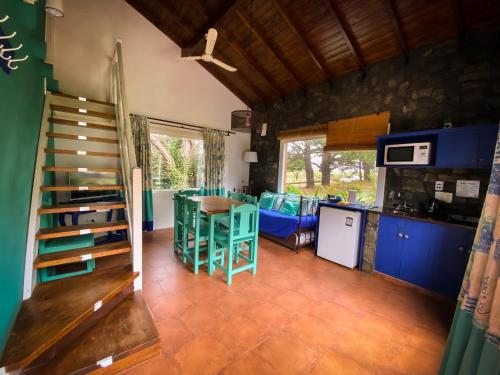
(302, 133)
(356, 133)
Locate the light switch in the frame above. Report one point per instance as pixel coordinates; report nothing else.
(439, 185)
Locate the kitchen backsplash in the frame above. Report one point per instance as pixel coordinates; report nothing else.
(418, 184)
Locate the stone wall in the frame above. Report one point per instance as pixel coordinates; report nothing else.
(442, 82)
(370, 244)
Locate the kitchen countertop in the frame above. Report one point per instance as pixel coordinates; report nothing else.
(390, 212)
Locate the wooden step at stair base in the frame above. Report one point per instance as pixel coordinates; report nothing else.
(81, 98)
(82, 153)
(82, 254)
(83, 124)
(124, 338)
(81, 138)
(56, 309)
(81, 188)
(75, 230)
(80, 169)
(79, 207)
(82, 112)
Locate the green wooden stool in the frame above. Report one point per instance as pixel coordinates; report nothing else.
(241, 236)
(235, 196)
(189, 192)
(56, 245)
(197, 230)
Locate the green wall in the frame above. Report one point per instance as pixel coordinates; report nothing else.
(21, 103)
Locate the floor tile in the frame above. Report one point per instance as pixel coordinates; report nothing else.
(249, 364)
(333, 363)
(414, 361)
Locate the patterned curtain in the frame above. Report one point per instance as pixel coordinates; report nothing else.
(213, 146)
(474, 341)
(140, 132)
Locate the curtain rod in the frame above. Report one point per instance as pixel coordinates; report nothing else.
(183, 125)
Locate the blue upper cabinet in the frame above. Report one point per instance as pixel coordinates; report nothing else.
(462, 147)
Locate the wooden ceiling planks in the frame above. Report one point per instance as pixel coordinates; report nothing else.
(296, 43)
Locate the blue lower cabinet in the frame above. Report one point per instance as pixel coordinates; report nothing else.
(389, 246)
(418, 253)
(429, 255)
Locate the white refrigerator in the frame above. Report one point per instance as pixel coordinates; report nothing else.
(339, 235)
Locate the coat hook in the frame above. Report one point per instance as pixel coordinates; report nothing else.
(8, 36)
(9, 62)
(3, 50)
(4, 19)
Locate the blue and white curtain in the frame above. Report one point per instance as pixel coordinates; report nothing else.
(213, 146)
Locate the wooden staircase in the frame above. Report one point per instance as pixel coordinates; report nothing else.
(97, 322)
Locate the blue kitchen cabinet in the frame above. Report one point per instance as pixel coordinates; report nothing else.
(418, 252)
(487, 143)
(452, 254)
(458, 148)
(430, 255)
(389, 245)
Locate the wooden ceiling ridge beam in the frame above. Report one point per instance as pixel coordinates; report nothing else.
(292, 24)
(397, 26)
(212, 20)
(260, 35)
(251, 61)
(346, 31)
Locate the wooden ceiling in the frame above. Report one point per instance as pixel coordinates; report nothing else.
(296, 43)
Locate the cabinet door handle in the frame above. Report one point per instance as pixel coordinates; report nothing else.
(406, 236)
(400, 235)
(461, 248)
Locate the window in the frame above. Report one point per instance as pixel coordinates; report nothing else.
(308, 170)
(175, 161)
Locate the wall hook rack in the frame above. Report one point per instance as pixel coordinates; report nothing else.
(4, 19)
(2, 37)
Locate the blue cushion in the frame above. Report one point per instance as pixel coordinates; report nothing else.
(281, 225)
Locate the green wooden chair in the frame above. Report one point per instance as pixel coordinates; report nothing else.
(189, 192)
(235, 196)
(249, 199)
(239, 240)
(180, 218)
(197, 232)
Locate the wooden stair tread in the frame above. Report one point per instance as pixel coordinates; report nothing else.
(76, 111)
(74, 230)
(82, 153)
(55, 309)
(76, 207)
(89, 125)
(77, 98)
(81, 169)
(78, 188)
(73, 256)
(81, 138)
(127, 333)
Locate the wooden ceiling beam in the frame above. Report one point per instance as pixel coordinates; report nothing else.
(212, 20)
(397, 26)
(338, 15)
(295, 28)
(229, 84)
(228, 38)
(262, 38)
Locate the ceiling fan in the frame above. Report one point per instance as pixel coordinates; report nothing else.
(211, 37)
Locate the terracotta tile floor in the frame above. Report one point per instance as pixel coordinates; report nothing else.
(299, 315)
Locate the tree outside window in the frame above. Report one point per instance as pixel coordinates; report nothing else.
(311, 171)
(176, 162)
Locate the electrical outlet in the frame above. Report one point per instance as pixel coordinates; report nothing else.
(439, 186)
(444, 196)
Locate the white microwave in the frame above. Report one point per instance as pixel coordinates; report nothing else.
(408, 154)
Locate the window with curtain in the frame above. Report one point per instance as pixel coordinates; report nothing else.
(176, 159)
(309, 170)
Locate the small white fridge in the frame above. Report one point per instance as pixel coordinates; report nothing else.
(339, 235)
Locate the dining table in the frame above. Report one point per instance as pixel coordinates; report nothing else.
(214, 207)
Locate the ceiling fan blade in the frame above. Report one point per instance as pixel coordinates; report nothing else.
(190, 58)
(223, 65)
(211, 38)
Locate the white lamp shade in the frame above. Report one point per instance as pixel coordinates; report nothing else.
(251, 157)
(54, 8)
